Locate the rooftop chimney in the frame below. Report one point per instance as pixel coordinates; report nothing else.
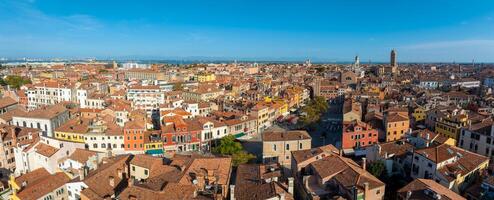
(120, 173)
(290, 185)
(409, 194)
(366, 190)
(82, 174)
(364, 163)
(130, 181)
(112, 181)
(282, 196)
(232, 192)
(14, 135)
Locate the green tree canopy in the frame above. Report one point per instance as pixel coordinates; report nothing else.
(377, 168)
(228, 146)
(313, 110)
(241, 158)
(15, 81)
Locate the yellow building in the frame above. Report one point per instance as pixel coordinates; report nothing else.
(450, 126)
(374, 89)
(282, 106)
(207, 77)
(397, 125)
(268, 99)
(419, 114)
(294, 96)
(153, 147)
(73, 130)
(262, 114)
(279, 106)
(14, 187)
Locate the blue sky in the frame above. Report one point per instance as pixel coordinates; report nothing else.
(326, 30)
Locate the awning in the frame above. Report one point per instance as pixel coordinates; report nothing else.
(240, 135)
(154, 151)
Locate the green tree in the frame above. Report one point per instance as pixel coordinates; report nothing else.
(320, 104)
(16, 82)
(313, 110)
(2, 82)
(241, 158)
(311, 115)
(228, 146)
(377, 168)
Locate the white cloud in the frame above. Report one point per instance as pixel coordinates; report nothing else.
(26, 14)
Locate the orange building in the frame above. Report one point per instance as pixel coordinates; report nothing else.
(397, 124)
(357, 134)
(23, 100)
(134, 135)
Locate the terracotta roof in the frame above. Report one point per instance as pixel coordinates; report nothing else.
(396, 148)
(44, 112)
(303, 155)
(250, 182)
(396, 117)
(75, 125)
(465, 161)
(345, 171)
(349, 126)
(418, 186)
(98, 180)
(7, 101)
(8, 132)
(82, 155)
(14, 112)
(285, 135)
(155, 165)
(482, 127)
(45, 150)
(135, 124)
(169, 191)
(424, 133)
(32, 177)
(174, 181)
(220, 167)
(176, 111)
(43, 185)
